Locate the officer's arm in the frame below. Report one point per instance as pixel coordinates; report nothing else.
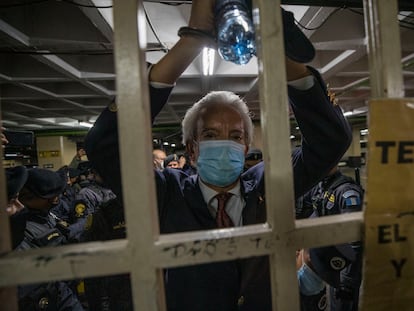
(165, 72)
(173, 64)
(326, 134)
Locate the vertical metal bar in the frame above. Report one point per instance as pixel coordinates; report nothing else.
(135, 143)
(384, 48)
(277, 152)
(8, 295)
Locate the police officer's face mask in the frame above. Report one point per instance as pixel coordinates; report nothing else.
(220, 162)
(309, 282)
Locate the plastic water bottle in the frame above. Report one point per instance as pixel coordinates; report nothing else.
(235, 31)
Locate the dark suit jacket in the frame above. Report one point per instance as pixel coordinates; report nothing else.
(238, 284)
(245, 284)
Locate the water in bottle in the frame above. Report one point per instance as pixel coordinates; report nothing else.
(235, 31)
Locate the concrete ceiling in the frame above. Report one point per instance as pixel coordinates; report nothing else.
(57, 68)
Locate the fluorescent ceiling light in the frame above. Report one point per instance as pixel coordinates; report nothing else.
(86, 124)
(336, 61)
(7, 122)
(29, 125)
(208, 61)
(357, 111)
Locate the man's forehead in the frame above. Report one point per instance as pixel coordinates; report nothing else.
(220, 114)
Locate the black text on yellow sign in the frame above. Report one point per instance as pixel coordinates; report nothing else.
(388, 279)
(391, 234)
(398, 151)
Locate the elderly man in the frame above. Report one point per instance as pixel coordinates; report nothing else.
(217, 132)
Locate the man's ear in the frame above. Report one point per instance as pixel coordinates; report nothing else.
(189, 148)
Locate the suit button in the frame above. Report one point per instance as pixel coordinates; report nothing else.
(240, 301)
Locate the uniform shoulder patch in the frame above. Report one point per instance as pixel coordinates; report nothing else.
(352, 198)
(350, 193)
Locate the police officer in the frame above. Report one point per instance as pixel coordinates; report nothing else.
(337, 194)
(40, 192)
(253, 156)
(88, 201)
(172, 161)
(89, 198)
(318, 268)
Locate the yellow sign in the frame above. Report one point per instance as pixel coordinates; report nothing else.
(49, 154)
(388, 282)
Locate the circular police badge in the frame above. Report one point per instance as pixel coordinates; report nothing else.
(80, 209)
(337, 263)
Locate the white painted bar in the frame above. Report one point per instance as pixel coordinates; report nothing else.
(8, 296)
(65, 262)
(136, 143)
(277, 153)
(173, 250)
(384, 48)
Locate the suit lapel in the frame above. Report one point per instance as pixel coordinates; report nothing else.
(254, 211)
(195, 200)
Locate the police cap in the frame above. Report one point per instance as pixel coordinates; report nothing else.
(254, 154)
(45, 183)
(84, 167)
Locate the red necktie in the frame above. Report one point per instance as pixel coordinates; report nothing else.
(222, 218)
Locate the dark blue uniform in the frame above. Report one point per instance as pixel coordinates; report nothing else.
(87, 202)
(42, 230)
(337, 194)
(36, 227)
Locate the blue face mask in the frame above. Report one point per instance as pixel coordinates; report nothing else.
(220, 162)
(309, 282)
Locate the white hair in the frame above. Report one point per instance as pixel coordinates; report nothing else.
(189, 123)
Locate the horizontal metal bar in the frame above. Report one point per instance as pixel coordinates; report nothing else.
(64, 262)
(173, 250)
(328, 230)
(180, 249)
